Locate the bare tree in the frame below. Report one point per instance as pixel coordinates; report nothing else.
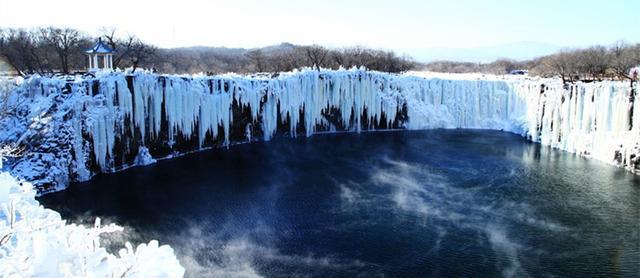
(21, 48)
(6, 51)
(316, 55)
(338, 58)
(65, 42)
(635, 53)
(622, 59)
(48, 49)
(563, 64)
(121, 46)
(503, 66)
(593, 61)
(258, 60)
(287, 61)
(140, 52)
(357, 57)
(130, 50)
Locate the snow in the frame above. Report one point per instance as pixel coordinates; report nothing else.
(36, 242)
(480, 104)
(144, 157)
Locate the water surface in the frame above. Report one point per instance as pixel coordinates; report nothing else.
(427, 203)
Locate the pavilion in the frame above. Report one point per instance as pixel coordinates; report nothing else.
(100, 56)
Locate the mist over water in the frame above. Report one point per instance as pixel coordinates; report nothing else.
(427, 203)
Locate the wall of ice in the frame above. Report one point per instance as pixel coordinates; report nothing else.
(600, 120)
(107, 123)
(168, 115)
(596, 120)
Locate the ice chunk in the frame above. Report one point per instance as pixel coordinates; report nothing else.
(144, 157)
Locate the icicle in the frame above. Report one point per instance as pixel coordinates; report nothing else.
(580, 119)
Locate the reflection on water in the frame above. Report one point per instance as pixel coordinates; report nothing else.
(429, 203)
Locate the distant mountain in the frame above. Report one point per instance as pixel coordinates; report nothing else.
(516, 51)
(212, 59)
(218, 50)
(222, 59)
(285, 46)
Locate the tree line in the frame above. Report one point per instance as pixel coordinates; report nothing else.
(587, 64)
(592, 63)
(279, 58)
(321, 57)
(52, 50)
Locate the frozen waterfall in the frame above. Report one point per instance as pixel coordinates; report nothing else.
(115, 117)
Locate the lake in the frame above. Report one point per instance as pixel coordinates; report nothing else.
(397, 203)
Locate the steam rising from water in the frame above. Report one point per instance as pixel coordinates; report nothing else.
(247, 255)
(438, 203)
(424, 192)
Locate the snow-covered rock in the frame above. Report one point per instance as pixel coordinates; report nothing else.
(36, 242)
(144, 157)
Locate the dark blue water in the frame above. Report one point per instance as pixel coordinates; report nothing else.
(405, 204)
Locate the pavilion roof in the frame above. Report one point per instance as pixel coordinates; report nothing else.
(99, 48)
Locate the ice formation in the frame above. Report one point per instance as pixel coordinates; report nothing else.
(36, 242)
(599, 120)
(197, 107)
(116, 120)
(144, 157)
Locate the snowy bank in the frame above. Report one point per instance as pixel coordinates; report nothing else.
(80, 127)
(36, 242)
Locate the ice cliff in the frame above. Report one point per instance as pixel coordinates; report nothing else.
(80, 127)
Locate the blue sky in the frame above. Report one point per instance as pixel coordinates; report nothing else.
(392, 24)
